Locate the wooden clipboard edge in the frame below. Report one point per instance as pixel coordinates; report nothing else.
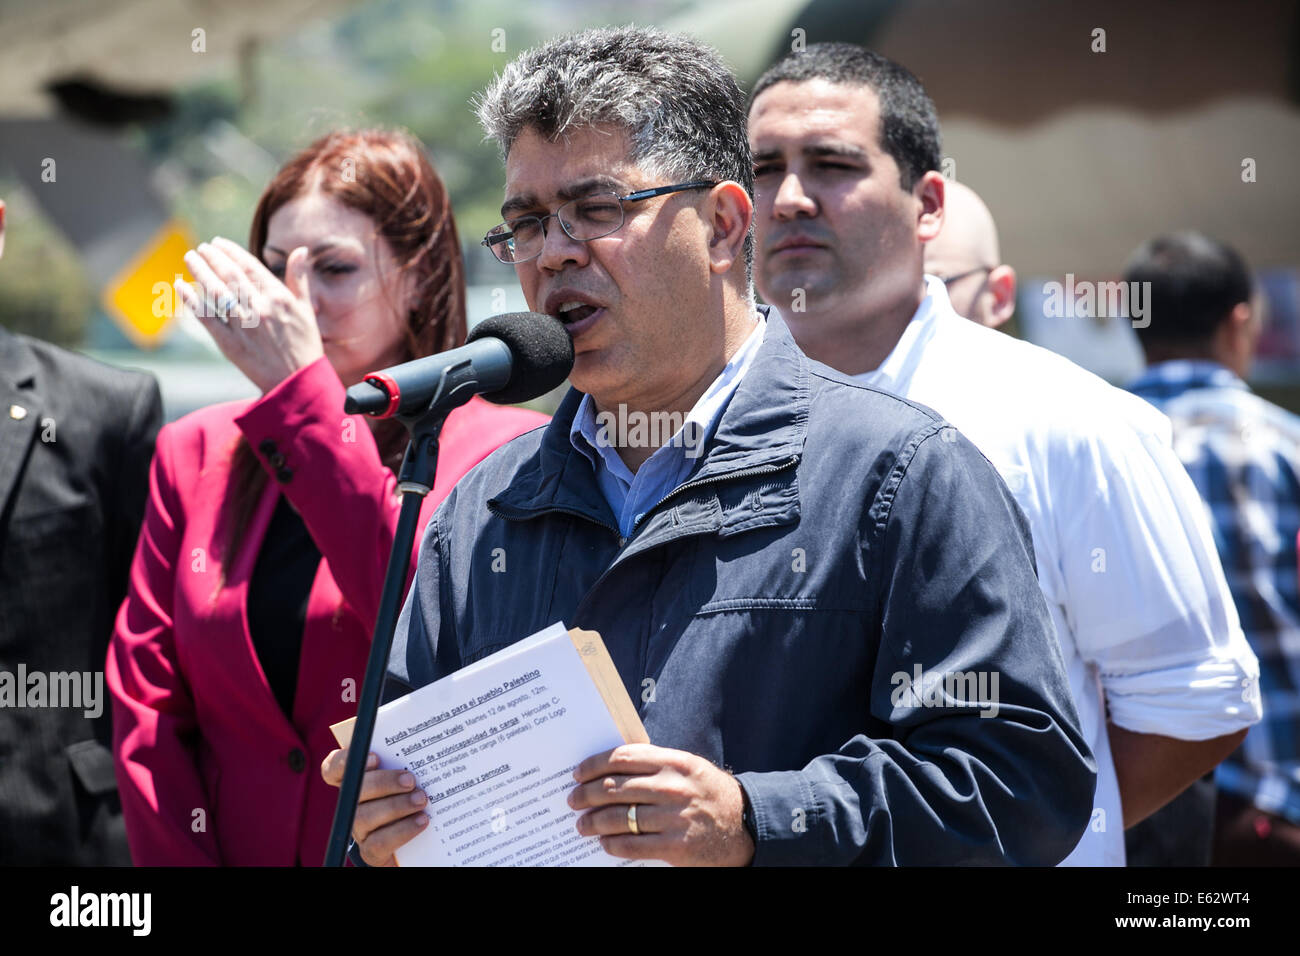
(342, 731)
(604, 675)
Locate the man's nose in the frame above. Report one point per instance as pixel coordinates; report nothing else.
(558, 247)
(791, 199)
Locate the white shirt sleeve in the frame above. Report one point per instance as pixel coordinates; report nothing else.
(1146, 594)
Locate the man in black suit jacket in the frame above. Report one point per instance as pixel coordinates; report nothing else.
(76, 439)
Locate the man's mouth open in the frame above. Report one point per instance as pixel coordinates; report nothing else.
(578, 316)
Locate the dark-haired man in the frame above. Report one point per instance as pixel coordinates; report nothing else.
(1243, 453)
(846, 154)
(781, 590)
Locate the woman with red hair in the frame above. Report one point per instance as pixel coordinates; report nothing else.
(256, 580)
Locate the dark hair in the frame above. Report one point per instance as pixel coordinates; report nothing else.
(674, 97)
(1195, 282)
(909, 124)
(384, 174)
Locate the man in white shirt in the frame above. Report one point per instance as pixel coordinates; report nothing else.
(846, 152)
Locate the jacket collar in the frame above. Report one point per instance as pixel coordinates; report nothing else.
(764, 424)
(17, 364)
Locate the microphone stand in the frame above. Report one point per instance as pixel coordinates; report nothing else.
(456, 386)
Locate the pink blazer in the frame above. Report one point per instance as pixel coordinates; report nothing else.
(210, 769)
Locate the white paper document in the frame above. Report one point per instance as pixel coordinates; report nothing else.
(494, 747)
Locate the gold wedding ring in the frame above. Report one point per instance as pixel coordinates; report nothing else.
(631, 820)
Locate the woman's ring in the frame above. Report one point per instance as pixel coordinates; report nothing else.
(224, 307)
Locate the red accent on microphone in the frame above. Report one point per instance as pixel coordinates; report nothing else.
(389, 386)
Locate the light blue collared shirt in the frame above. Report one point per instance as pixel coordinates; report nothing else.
(631, 496)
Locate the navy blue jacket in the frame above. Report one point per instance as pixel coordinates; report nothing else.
(831, 539)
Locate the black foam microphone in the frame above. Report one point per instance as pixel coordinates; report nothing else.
(507, 359)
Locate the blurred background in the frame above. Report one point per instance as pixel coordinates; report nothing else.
(132, 129)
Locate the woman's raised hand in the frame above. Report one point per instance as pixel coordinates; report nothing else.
(267, 328)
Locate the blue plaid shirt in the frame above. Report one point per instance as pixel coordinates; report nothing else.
(1243, 454)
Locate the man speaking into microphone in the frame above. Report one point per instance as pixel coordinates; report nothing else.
(770, 602)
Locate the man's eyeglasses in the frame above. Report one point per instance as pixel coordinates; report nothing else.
(949, 280)
(584, 219)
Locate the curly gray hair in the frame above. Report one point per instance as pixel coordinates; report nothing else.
(675, 98)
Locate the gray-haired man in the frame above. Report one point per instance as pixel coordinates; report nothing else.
(846, 669)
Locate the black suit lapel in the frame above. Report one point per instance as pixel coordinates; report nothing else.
(20, 408)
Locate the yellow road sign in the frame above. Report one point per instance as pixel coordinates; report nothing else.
(141, 298)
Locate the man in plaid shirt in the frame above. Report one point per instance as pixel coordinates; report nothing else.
(1243, 454)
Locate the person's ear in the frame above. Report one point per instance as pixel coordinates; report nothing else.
(1241, 317)
(1245, 331)
(1002, 283)
(1259, 317)
(929, 191)
(729, 211)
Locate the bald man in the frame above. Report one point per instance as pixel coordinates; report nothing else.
(966, 258)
